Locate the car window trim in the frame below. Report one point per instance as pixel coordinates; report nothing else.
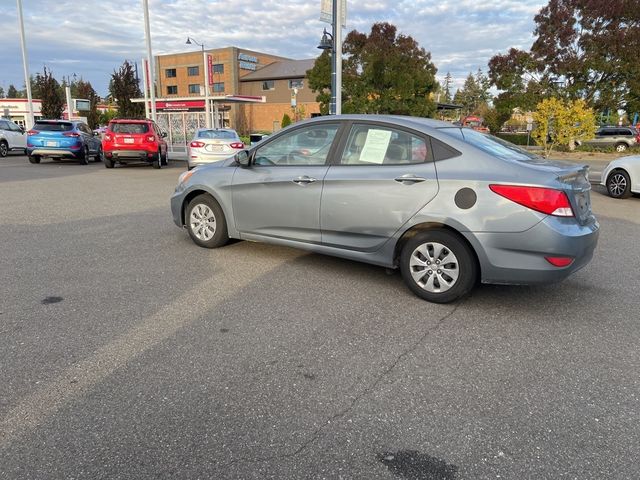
(347, 130)
(330, 154)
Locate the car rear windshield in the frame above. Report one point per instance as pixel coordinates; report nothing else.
(122, 127)
(490, 144)
(53, 126)
(218, 134)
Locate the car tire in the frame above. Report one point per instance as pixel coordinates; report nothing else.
(423, 267)
(206, 223)
(84, 160)
(164, 159)
(98, 156)
(621, 147)
(34, 159)
(4, 149)
(108, 162)
(157, 162)
(619, 184)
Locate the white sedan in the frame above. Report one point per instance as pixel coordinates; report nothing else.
(213, 144)
(622, 176)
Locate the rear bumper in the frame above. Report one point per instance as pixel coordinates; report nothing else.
(55, 152)
(194, 159)
(131, 155)
(519, 258)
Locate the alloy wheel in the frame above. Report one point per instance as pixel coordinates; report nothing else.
(434, 267)
(617, 184)
(202, 222)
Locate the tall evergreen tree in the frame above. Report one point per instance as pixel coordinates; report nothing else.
(53, 101)
(12, 92)
(1, 92)
(123, 87)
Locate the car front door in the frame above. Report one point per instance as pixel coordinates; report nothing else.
(278, 195)
(19, 137)
(385, 176)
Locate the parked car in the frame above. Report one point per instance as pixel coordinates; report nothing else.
(622, 176)
(58, 139)
(133, 141)
(212, 144)
(621, 138)
(446, 205)
(12, 137)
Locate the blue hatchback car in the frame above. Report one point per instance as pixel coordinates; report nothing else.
(58, 139)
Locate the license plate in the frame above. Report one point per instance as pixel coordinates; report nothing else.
(49, 143)
(216, 148)
(128, 140)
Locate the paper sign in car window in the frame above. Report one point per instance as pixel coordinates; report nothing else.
(375, 146)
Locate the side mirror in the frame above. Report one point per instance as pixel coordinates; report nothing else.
(243, 158)
(163, 134)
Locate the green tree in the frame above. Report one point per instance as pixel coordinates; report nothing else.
(560, 122)
(582, 49)
(12, 92)
(1, 92)
(474, 94)
(383, 72)
(123, 87)
(53, 101)
(446, 88)
(286, 121)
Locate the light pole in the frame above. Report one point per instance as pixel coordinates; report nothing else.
(335, 45)
(152, 79)
(205, 64)
(25, 65)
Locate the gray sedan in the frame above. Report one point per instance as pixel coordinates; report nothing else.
(448, 206)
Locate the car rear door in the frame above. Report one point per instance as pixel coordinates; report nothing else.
(278, 195)
(384, 176)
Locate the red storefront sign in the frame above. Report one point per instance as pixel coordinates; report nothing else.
(180, 106)
(210, 68)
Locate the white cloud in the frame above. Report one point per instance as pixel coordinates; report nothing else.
(91, 38)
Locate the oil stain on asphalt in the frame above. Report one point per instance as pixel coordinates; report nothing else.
(49, 300)
(413, 465)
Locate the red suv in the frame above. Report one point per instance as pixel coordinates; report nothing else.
(131, 141)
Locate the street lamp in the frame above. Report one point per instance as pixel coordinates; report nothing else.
(25, 65)
(326, 43)
(207, 108)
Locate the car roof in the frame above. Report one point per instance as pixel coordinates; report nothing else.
(217, 130)
(407, 121)
(130, 120)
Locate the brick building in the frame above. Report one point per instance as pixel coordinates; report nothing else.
(233, 72)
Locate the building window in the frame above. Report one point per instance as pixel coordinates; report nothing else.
(170, 72)
(269, 85)
(218, 87)
(194, 88)
(297, 83)
(193, 71)
(218, 68)
(172, 90)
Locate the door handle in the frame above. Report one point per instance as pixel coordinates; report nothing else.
(409, 179)
(303, 180)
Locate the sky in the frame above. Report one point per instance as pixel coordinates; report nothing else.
(91, 38)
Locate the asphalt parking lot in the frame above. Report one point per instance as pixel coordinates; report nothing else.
(128, 352)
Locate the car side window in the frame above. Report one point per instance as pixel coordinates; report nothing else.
(302, 146)
(377, 145)
(4, 125)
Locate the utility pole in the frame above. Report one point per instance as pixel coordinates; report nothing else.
(152, 77)
(25, 65)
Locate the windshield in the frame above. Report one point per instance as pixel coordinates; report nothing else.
(129, 127)
(491, 144)
(221, 134)
(53, 126)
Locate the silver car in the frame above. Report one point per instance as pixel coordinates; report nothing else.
(213, 144)
(448, 206)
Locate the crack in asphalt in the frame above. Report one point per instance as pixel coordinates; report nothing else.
(318, 432)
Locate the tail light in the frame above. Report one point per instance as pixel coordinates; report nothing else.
(70, 134)
(196, 144)
(108, 137)
(544, 200)
(559, 261)
(150, 138)
(238, 145)
(33, 132)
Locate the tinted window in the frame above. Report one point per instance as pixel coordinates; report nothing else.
(302, 146)
(218, 68)
(4, 125)
(375, 145)
(221, 134)
(129, 127)
(194, 88)
(193, 71)
(53, 127)
(490, 144)
(172, 90)
(170, 72)
(218, 87)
